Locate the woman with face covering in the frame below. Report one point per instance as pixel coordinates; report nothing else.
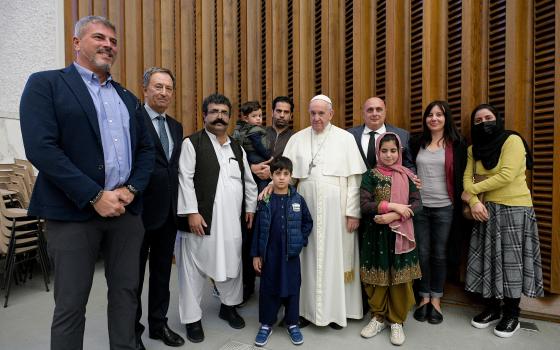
(504, 253)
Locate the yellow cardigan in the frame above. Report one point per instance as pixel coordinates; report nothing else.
(506, 183)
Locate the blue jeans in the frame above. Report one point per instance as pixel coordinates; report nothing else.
(431, 229)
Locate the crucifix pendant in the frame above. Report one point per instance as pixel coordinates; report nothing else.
(311, 166)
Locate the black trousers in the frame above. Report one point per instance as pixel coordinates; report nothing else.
(269, 305)
(74, 248)
(158, 246)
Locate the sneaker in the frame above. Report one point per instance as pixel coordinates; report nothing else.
(485, 318)
(397, 334)
(262, 336)
(295, 335)
(506, 327)
(372, 328)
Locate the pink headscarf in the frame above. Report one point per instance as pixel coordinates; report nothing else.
(403, 228)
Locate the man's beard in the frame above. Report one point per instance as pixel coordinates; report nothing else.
(106, 67)
(280, 123)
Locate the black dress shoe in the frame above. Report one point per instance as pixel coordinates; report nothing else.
(139, 344)
(422, 312)
(303, 322)
(434, 316)
(229, 314)
(168, 337)
(195, 333)
(335, 326)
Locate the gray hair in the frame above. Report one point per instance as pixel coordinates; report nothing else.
(153, 70)
(85, 21)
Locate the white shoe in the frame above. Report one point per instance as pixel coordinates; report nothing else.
(372, 328)
(397, 334)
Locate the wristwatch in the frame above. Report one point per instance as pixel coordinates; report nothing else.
(132, 189)
(96, 198)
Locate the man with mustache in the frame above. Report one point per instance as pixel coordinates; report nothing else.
(86, 136)
(160, 205)
(218, 195)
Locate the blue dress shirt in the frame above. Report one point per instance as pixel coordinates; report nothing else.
(114, 126)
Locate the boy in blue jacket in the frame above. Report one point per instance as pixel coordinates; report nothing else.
(282, 226)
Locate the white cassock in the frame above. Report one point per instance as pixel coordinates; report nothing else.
(217, 255)
(330, 264)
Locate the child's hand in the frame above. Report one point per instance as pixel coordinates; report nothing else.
(257, 263)
(401, 209)
(386, 219)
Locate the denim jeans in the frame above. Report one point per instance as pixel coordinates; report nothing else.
(431, 229)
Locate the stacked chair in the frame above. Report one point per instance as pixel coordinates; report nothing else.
(22, 241)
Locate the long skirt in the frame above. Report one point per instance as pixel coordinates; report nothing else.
(504, 254)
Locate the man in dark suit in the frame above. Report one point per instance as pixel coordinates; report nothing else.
(374, 125)
(160, 204)
(87, 137)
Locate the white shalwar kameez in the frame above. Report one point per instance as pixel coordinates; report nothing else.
(217, 255)
(329, 167)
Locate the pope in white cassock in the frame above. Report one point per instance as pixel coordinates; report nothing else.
(328, 167)
(215, 189)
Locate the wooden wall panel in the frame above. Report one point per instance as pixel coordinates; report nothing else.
(133, 47)
(187, 80)
(519, 67)
(434, 64)
(397, 74)
(364, 60)
(474, 69)
(303, 61)
(406, 52)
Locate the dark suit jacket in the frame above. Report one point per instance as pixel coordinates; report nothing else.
(403, 135)
(160, 195)
(61, 137)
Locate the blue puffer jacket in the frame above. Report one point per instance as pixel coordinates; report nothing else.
(299, 225)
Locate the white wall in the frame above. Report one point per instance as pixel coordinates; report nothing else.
(32, 40)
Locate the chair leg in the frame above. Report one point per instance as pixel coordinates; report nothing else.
(43, 269)
(10, 272)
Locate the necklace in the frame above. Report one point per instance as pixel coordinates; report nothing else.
(313, 156)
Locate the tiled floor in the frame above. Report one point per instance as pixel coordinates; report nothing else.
(25, 325)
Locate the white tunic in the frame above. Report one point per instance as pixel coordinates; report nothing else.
(331, 191)
(218, 255)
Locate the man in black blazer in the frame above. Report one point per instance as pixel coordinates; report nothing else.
(160, 204)
(86, 136)
(374, 125)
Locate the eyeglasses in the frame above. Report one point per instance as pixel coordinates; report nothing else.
(214, 112)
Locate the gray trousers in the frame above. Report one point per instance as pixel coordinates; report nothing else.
(74, 248)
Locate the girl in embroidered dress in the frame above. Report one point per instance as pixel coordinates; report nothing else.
(388, 258)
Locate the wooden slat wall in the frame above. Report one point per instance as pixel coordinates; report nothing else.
(454, 28)
(416, 66)
(545, 145)
(407, 52)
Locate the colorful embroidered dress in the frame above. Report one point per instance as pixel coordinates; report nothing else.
(379, 265)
